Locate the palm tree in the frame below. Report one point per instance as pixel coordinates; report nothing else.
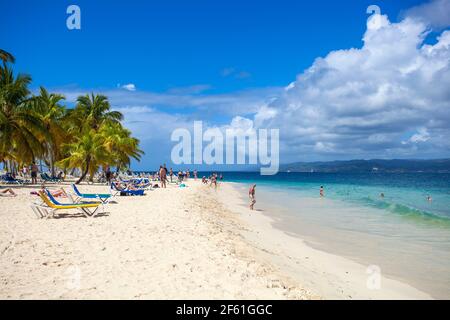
(86, 137)
(120, 144)
(87, 152)
(47, 107)
(6, 57)
(93, 110)
(19, 127)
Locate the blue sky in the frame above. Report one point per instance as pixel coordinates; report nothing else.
(209, 60)
(163, 44)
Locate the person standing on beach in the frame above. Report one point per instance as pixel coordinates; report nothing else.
(252, 196)
(108, 175)
(25, 171)
(34, 172)
(165, 168)
(214, 181)
(321, 192)
(171, 174)
(195, 174)
(162, 176)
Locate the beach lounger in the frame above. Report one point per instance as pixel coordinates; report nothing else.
(141, 183)
(8, 179)
(45, 177)
(126, 192)
(51, 206)
(103, 197)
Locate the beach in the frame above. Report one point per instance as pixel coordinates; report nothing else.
(174, 243)
(170, 244)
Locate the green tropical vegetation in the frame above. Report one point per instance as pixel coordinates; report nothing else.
(88, 137)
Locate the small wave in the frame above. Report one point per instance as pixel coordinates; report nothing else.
(408, 212)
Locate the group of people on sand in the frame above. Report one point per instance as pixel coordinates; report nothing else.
(163, 175)
(212, 180)
(32, 172)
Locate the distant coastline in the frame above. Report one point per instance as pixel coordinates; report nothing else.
(374, 165)
(345, 166)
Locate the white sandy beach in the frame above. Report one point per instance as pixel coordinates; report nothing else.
(192, 243)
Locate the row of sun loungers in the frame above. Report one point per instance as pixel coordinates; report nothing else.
(8, 179)
(87, 204)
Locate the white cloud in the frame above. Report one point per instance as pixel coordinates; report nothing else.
(422, 135)
(129, 87)
(194, 89)
(200, 104)
(436, 13)
(361, 102)
(238, 74)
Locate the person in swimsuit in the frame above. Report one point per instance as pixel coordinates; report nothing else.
(34, 172)
(214, 181)
(8, 192)
(162, 176)
(321, 192)
(251, 195)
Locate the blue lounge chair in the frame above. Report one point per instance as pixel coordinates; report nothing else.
(141, 183)
(103, 197)
(45, 177)
(8, 179)
(50, 206)
(126, 192)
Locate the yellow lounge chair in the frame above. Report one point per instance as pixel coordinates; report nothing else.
(51, 208)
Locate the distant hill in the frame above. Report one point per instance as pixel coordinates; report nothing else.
(375, 165)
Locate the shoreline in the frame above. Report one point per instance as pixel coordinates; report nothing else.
(328, 275)
(174, 243)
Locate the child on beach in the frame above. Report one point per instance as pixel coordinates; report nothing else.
(251, 195)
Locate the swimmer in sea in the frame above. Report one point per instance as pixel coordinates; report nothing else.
(251, 195)
(321, 192)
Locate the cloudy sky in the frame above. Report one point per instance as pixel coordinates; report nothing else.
(337, 81)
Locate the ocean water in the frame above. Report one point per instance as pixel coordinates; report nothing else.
(406, 235)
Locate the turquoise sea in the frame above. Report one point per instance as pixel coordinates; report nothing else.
(403, 233)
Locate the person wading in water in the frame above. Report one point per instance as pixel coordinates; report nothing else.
(251, 195)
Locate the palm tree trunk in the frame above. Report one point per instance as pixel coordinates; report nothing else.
(51, 159)
(85, 172)
(52, 164)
